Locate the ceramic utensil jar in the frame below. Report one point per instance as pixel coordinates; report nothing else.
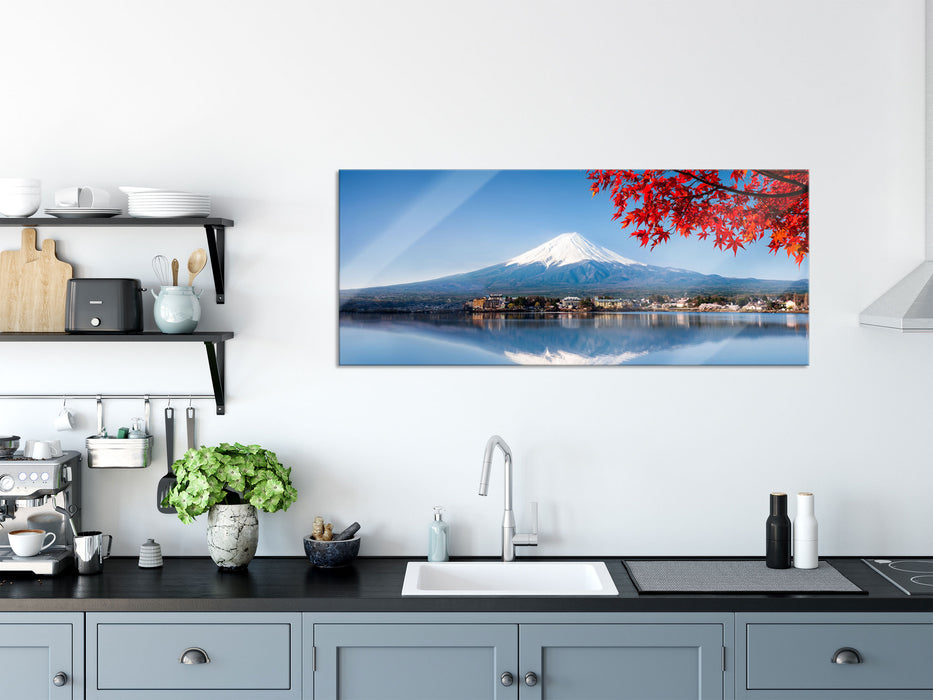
(177, 309)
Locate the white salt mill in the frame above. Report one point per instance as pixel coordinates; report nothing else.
(805, 533)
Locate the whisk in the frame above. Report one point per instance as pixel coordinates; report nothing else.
(161, 270)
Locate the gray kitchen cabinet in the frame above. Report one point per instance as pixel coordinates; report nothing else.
(208, 656)
(638, 661)
(42, 655)
(413, 662)
(517, 657)
(835, 656)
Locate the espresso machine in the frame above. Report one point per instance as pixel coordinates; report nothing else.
(40, 494)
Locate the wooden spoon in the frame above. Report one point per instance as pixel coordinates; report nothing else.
(196, 263)
(174, 272)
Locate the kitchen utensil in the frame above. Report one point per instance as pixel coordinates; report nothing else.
(174, 272)
(189, 415)
(161, 269)
(32, 287)
(150, 555)
(176, 309)
(8, 445)
(348, 532)
(169, 480)
(195, 264)
(332, 554)
(89, 551)
(104, 305)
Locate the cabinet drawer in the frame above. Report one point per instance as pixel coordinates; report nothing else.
(800, 656)
(251, 656)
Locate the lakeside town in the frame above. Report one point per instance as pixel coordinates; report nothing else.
(707, 303)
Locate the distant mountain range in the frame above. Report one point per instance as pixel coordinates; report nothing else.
(566, 265)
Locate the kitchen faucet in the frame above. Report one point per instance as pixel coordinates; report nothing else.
(510, 540)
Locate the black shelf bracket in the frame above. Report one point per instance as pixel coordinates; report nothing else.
(215, 361)
(215, 248)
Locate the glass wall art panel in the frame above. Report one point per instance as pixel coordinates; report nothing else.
(574, 267)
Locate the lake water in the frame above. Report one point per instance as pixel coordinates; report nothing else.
(643, 338)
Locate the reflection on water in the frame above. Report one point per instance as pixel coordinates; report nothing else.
(574, 339)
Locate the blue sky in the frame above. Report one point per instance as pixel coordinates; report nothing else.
(408, 225)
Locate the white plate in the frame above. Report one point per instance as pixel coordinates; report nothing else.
(82, 213)
(158, 195)
(168, 207)
(169, 215)
(84, 209)
(171, 203)
(134, 190)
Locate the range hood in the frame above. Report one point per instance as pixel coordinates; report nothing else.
(907, 306)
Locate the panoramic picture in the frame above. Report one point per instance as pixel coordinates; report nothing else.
(574, 267)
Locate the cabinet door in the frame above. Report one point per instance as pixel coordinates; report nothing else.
(638, 661)
(31, 655)
(415, 662)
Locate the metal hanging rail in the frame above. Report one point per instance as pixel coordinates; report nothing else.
(92, 397)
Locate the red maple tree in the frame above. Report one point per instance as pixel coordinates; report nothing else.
(748, 206)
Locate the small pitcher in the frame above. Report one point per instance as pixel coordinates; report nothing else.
(177, 309)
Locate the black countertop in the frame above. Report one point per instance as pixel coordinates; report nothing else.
(290, 584)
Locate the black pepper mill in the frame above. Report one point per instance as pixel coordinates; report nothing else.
(777, 550)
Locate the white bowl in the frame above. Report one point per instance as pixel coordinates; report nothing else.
(19, 182)
(19, 204)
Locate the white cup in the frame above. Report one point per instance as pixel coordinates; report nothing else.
(85, 197)
(37, 449)
(28, 543)
(65, 420)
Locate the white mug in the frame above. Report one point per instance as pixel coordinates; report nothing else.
(86, 197)
(37, 449)
(65, 420)
(28, 543)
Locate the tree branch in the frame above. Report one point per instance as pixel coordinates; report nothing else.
(774, 176)
(748, 193)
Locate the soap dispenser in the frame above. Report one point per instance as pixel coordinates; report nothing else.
(437, 537)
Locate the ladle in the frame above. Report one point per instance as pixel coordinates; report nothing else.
(195, 264)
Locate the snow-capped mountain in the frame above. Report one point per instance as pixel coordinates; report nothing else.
(568, 249)
(568, 264)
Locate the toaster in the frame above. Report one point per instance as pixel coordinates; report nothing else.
(104, 305)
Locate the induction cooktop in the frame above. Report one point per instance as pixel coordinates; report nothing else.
(913, 576)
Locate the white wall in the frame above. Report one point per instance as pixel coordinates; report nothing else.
(260, 104)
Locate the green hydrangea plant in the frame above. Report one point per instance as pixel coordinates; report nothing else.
(230, 474)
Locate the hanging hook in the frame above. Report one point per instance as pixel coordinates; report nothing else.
(189, 400)
(169, 402)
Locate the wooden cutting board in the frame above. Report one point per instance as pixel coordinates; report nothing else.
(33, 285)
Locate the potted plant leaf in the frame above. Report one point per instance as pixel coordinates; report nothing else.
(229, 482)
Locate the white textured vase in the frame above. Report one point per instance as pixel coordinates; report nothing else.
(232, 535)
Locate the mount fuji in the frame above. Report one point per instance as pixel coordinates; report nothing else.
(568, 264)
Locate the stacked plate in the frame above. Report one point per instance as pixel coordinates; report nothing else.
(149, 203)
(82, 213)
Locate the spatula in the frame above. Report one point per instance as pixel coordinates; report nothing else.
(168, 481)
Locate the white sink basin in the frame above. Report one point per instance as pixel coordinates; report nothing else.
(462, 578)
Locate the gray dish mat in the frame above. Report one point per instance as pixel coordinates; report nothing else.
(734, 576)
